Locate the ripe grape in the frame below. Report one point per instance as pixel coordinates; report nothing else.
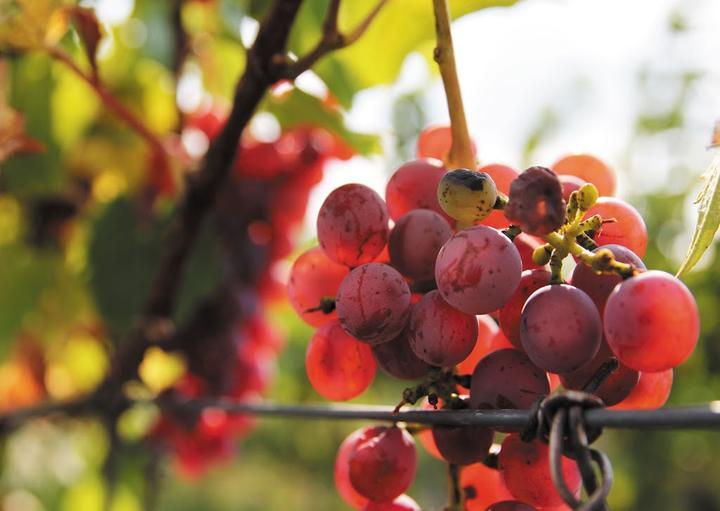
(628, 229)
(352, 225)
(507, 379)
(477, 270)
(338, 366)
(509, 314)
(651, 322)
(467, 195)
(570, 184)
(439, 334)
(342, 468)
(397, 358)
(614, 389)
(526, 245)
(373, 303)
(535, 202)
(487, 328)
(525, 469)
(383, 463)
(435, 142)
(414, 186)
(482, 486)
(401, 503)
(599, 287)
(463, 445)
(560, 328)
(510, 505)
(415, 242)
(651, 392)
(314, 277)
(503, 177)
(588, 168)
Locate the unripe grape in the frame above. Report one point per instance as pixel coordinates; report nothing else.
(466, 195)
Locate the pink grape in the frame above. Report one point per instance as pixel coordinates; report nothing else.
(482, 487)
(588, 168)
(477, 270)
(526, 245)
(487, 328)
(352, 225)
(415, 242)
(435, 141)
(651, 322)
(414, 186)
(373, 303)
(509, 315)
(397, 358)
(570, 184)
(342, 468)
(401, 503)
(628, 229)
(463, 445)
(651, 392)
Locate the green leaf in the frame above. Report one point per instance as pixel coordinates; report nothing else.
(300, 108)
(708, 202)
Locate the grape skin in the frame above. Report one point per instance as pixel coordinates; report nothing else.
(560, 328)
(373, 303)
(511, 505)
(482, 486)
(401, 503)
(570, 184)
(477, 270)
(414, 186)
(502, 175)
(383, 464)
(487, 328)
(509, 314)
(342, 468)
(397, 358)
(352, 225)
(467, 195)
(435, 142)
(338, 366)
(507, 379)
(439, 334)
(651, 392)
(462, 445)
(628, 229)
(313, 277)
(415, 242)
(588, 168)
(651, 322)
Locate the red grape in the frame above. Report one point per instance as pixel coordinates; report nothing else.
(507, 379)
(383, 463)
(415, 242)
(628, 229)
(560, 328)
(535, 202)
(509, 315)
(439, 334)
(352, 225)
(526, 245)
(342, 469)
(652, 391)
(651, 322)
(510, 505)
(482, 486)
(525, 469)
(614, 389)
(401, 503)
(463, 445)
(397, 358)
(599, 287)
(414, 186)
(314, 277)
(373, 303)
(435, 141)
(570, 184)
(339, 366)
(487, 328)
(477, 270)
(589, 168)
(501, 174)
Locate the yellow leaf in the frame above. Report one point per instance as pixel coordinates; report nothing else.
(31, 24)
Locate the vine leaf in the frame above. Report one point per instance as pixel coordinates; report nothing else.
(13, 139)
(708, 201)
(89, 30)
(31, 24)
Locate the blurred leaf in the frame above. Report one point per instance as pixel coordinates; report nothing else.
(708, 202)
(88, 29)
(31, 24)
(299, 108)
(13, 139)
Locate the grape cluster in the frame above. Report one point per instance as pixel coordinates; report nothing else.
(470, 293)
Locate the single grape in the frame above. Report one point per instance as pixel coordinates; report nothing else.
(477, 270)
(314, 277)
(570, 184)
(401, 503)
(651, 392)
(414, 186)
(535, 202)
(507, 379)
(397, 358)
(651, 322)
(560, 328)
(439, 334)
(511, 505)
(487, 328)
(466, 195)
(382, 465)
(338, 366)
(482, 487)
(599, 287)
(352, 225)
(463, 445)
(342, 468)
(415, 242)
(614, 389)
(588, 168)
(509, 314)
(627, 230)
(526, 245)
(525, 469)
(502, 175)
(435, 142)
(373, 303)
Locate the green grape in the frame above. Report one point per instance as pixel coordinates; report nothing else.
(466, 195)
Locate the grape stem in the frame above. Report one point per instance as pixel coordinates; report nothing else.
(461, 153)
(456, 500)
